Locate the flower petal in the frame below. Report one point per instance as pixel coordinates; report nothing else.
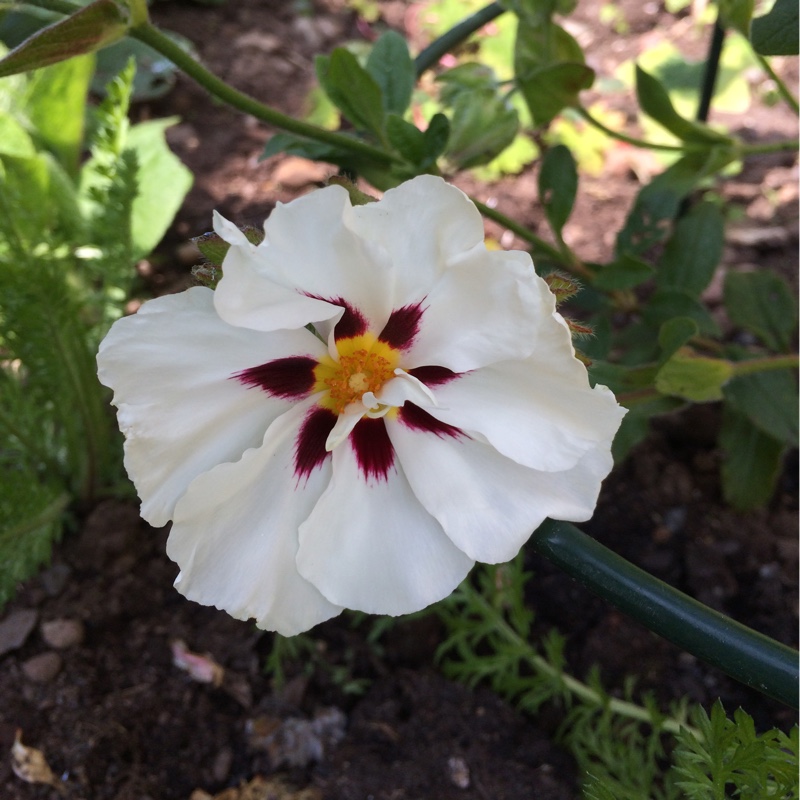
(540, 412)
(171, 366)
(235, 534)
(371, 546)
(488, 504)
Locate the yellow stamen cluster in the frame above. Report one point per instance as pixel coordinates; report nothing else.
(364, 365)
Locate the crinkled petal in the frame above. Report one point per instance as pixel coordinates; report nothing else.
(371, 546)
(540, 412)
(486, 308)
(422, 225)
(182, 413)
(486, 503)
(250, 295)
(235, 534)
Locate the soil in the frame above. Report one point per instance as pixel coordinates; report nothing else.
(90, 649)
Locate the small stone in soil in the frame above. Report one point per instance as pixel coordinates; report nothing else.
(42, 668)
(62, 633)
(16, 628)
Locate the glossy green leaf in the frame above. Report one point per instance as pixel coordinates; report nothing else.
(96, 25)
(769, 400)
(624, 272)
(352, 89)
(56, 103)
(558, 185)
(673, 335)
(655, 102)
(481, 127)
(392, 68)
(693, 378)
(752, 461)
(762, 303)
(163, 183)
(693, 251)
(776, 33)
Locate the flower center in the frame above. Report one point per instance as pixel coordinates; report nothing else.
(364, 365)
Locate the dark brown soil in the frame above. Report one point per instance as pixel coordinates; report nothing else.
(118, 720)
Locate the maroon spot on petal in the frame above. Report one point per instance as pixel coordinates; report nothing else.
(420, 420)
(373, 448)
(402, 326)
(290, 378)
(309, 450)
(433, 375)
(352, 323)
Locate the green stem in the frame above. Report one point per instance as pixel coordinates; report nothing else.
(150, 35)
(623, 137)
(541, 665)
(783, 89)
(457, 34)
(50, 513)
(566, 259)
(746, 655)
(769, 147)
(753, 365)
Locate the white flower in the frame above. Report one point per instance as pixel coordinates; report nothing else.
(443, 417)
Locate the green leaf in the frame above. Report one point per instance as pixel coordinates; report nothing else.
(752, 461)
(673, 335)
(437, 135)
(406, 138)
(558, 184)
(762, 303)
(693, 251)
(90, 28)
(737, 14)
(776, 33)
(655, 102)
(305, 148)
(550, 89)
(694, 378)
(56, 104)
(163, 183)
(352, 89)
(769, 401)
(391, 66)
(482, 126)
(624, 273)
(14, 139)
(665, 304)
(25, 184)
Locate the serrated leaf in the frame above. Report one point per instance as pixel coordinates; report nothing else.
(693, 251)
(352, 89)
(558, 185)
(623, 273)
(751, 464)
(87, 30)
(163, 182)
(391, 66)
(655, 102)
(776, 33)
(761, 302)
(694, 378)
(769, 401)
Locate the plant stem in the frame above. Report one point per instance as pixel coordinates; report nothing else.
(623, 137)
(746, 655)
(783, 89)
(710, 72)
(457, 34)
(753, 365)
(541, 665)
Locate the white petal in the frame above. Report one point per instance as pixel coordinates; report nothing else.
(372, 547)
(170, 366)
(488, 504)
(405, 388)
(421, 225)
(229, 233)
(486, 308)
(540, 412)
(345, 423)
(235, 535)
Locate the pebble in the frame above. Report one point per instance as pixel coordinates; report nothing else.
(55, 579)
(16, 628)
(62, 633)
(42, 668)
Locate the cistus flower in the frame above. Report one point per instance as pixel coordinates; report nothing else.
(369, 402)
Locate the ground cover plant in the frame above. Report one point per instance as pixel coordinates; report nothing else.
(643, 315)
